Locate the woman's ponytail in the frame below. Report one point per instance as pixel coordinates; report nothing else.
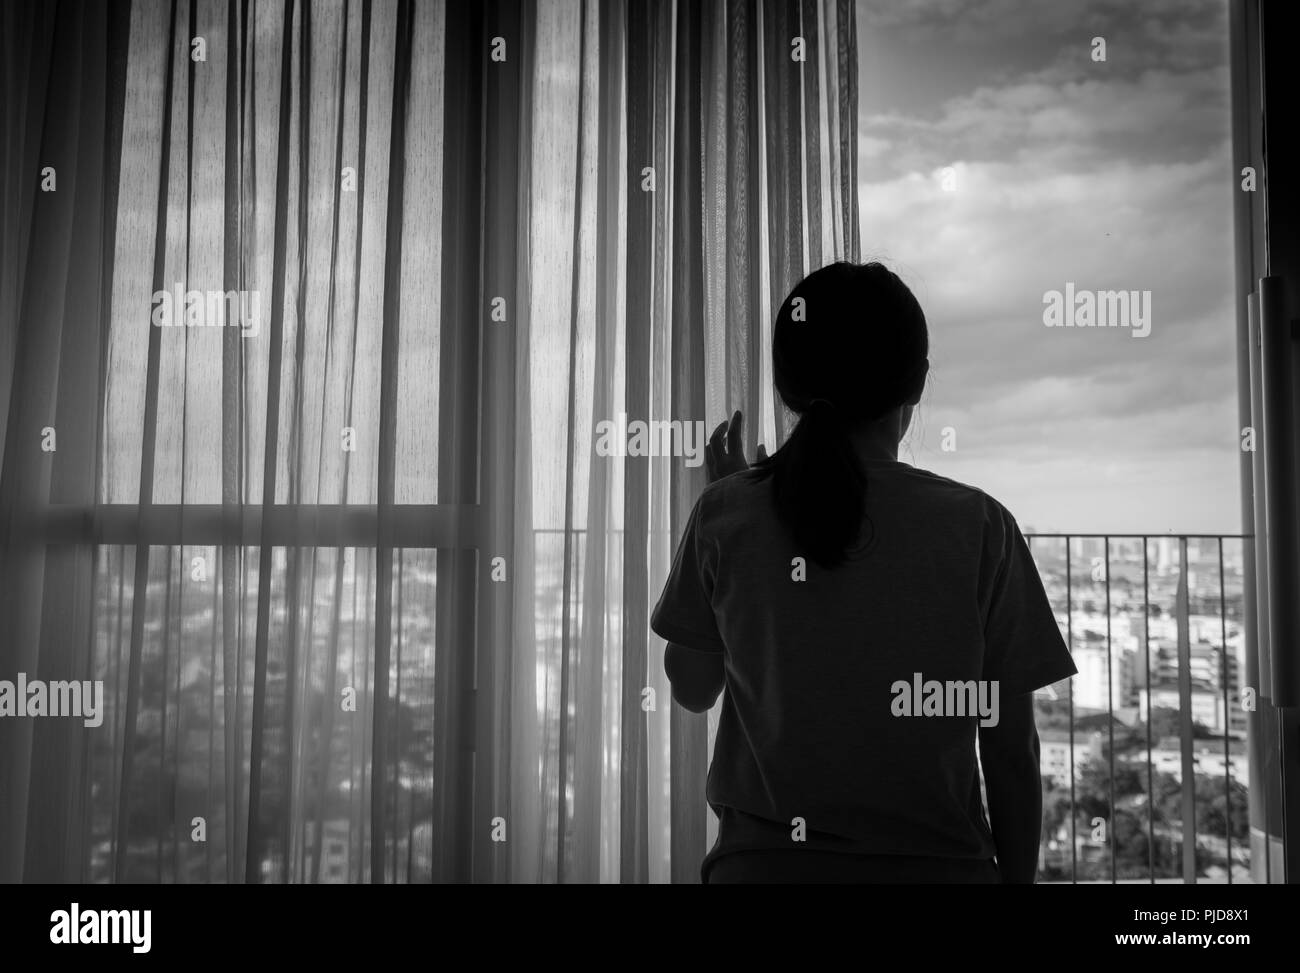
(819, 484)
(848, 346)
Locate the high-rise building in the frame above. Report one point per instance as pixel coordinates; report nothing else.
(1106, 680)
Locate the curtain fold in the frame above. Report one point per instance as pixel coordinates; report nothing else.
(344, 313)
(66, 66)
(689, 731)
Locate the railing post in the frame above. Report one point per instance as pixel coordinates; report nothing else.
(1185, 728)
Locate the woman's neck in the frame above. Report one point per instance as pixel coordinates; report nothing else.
(879, 440)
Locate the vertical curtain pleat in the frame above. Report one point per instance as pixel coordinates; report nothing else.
(582, 607)
(122, 851)
(744, 281)
(689, 731)
(27, 30)
(658, 729)
(300, 572)
(505, 153)
(379, 754)
(847, 106)
(55, 840)
(634, 833)
(785, 210)
(515, 669)
(226, 612)
(462, 315)
(80, 155)
(593, 800)
(568, 553)
(348, 272)
(809, 141)
(255, 837)
(310, 840)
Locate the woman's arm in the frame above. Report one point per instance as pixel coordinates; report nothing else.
(1009, 757)
(696, 676)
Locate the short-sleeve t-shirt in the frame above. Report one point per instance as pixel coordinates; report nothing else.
(854, 694)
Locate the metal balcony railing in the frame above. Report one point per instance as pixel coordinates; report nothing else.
(1166, 801)
(1144, 755)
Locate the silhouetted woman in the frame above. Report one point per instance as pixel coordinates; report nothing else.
(867, 619)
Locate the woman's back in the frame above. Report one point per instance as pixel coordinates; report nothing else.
(830, 673)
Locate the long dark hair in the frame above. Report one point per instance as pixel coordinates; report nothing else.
(849, 345)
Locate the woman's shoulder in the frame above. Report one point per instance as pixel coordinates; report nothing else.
(956, 488)
(744, 487)
(968, 504)
(744, 500)
(734, 499)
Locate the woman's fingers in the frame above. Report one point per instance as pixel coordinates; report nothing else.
(713, 456)
(725, 453)
(762, 452)
(716, 447)
(735, 447)
(715, 440)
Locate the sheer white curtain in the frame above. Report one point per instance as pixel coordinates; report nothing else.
(367, 603)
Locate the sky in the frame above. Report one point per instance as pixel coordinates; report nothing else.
(1113, 175)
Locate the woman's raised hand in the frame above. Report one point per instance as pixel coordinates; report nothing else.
(725, 453)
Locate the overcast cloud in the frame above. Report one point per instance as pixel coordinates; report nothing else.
(1113, 175)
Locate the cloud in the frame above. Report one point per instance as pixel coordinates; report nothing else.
(1166, 33)
(1115, 176)
(1076, 126)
